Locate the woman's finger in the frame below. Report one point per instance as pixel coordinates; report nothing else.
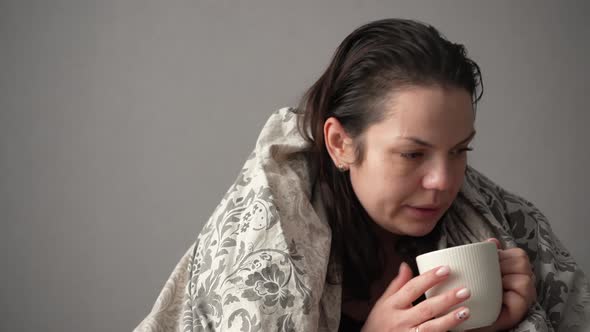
(446, 322)
(516, 265)
(519, 283)
(513, 307)
(403, 276)
(437, 305)
(511, 253)
(414, 288)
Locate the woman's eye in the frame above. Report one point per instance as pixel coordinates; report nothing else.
(412, 155)
(462, 150)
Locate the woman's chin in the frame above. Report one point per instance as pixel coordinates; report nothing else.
(420, 230)
(413, 231)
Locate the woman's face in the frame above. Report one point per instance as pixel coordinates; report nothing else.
(415, 159)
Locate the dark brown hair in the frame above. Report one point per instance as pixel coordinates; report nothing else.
(373, 62)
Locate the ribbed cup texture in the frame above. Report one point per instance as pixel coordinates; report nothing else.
(476, 267)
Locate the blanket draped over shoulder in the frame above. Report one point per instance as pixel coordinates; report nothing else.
(260, 262)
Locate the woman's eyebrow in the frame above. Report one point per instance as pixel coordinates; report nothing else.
(430, 145)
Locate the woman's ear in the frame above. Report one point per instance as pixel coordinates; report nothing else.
(339, 145)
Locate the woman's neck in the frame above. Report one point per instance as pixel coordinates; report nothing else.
(385, 238)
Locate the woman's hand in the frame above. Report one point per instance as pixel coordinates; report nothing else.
(518, 281)
(394, 310)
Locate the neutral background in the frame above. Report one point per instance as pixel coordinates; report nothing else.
(122, 123)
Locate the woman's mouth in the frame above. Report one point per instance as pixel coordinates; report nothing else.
(423, 212)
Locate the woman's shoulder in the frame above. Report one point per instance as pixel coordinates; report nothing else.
(476, 181)
(517, 216)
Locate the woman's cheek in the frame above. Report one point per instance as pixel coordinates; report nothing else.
(460, 176)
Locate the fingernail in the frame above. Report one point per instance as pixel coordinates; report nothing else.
(463, 293)
(401, 266)
(463, 314)
(443, 271)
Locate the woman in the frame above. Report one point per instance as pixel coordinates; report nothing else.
(321, 228)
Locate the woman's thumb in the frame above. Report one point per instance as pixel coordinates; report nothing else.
(496, 241)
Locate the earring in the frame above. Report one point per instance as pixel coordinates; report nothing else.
(342, 168)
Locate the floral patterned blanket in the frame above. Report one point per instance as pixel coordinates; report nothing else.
(261, 260)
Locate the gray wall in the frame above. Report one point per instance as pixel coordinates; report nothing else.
(122, 123)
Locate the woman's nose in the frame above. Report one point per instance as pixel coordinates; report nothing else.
(438, 177)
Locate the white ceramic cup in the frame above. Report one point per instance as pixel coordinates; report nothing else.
(475, 266)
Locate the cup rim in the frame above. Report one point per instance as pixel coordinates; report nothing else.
(463, 246)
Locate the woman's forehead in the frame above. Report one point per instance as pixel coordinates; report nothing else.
(428, 113)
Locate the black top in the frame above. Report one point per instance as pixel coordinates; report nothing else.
(349, 324)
